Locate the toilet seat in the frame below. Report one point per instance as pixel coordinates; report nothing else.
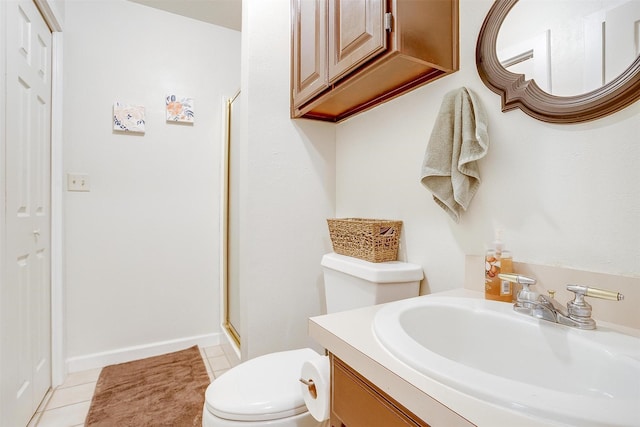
(261, 389)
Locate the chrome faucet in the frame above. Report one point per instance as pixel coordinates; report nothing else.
(577, 314)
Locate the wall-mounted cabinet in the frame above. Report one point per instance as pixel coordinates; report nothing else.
(349, 56)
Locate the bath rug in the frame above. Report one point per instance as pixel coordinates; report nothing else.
(166, 390)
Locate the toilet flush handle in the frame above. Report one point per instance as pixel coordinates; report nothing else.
(312, 387)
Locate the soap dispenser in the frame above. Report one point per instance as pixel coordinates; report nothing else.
(497, 260)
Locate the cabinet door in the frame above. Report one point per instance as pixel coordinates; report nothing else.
(309, 68)
(357, 403)
(356, 34)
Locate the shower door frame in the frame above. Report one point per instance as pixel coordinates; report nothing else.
(228, 326)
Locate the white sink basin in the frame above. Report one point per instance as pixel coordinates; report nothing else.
(486, 350)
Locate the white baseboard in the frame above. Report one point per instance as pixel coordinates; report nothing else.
(127, 354)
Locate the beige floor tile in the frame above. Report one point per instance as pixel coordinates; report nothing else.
(209, 371)
(214, 351)
(81, 377)
(202, 353)
(218, 363)
(232, 356)
(216, 374)
(70, 395)
(66, 416)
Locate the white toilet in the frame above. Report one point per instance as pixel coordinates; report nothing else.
(265, 391)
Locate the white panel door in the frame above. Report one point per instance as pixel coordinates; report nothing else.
(622, 38)
(25, 291)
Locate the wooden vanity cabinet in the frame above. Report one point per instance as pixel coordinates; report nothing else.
(355, 402)
(349, 56)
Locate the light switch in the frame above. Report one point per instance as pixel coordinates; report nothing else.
(78, 182)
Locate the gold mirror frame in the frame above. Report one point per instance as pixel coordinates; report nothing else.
(516, 92)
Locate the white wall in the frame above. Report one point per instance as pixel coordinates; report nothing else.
(142, 246)
(287, 194)
(565, 195)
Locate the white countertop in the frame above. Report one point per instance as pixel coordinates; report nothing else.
(349, 335)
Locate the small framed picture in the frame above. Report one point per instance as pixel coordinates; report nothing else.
(179, 109)
(128, 118)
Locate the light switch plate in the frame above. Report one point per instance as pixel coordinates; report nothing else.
(78, 182)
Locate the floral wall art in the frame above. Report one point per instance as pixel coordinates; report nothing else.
(179, 109)
(128, 118)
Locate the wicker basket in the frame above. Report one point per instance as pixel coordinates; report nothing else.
(373, 240)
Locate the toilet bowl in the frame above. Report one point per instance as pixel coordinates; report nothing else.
(265, 391)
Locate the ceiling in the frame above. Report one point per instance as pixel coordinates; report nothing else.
(225, 13)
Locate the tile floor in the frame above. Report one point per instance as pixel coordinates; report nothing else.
(68, 405)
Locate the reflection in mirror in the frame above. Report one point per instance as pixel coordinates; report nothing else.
(570, 47)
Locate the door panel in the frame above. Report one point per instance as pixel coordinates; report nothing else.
(309, 49)
(356, 34)
(25, 291)
(622, 38)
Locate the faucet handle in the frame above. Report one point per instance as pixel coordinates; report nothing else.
(586, 291)
(516, 278)
(580, 311)
(525, 295)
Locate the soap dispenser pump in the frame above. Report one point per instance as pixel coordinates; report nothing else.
(497, 260)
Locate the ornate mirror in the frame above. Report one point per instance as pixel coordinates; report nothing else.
(519, 66)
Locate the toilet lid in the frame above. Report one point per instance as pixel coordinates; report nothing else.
(260, 389)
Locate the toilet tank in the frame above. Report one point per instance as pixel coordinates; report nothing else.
(352, 283)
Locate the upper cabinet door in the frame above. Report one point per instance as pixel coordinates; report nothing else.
(356, 34)
(309, 68)
(350, 55)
